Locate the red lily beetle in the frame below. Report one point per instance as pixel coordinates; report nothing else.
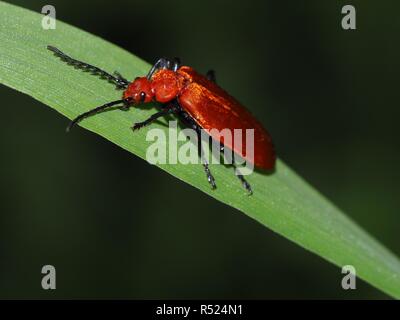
(194, 99)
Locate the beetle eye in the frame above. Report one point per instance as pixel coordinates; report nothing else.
(142, 97)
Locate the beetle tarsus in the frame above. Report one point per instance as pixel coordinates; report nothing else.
(210, 177)
(245, 184)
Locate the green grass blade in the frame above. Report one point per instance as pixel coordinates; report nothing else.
(283, 202)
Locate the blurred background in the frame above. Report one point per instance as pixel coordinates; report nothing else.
(329, 97)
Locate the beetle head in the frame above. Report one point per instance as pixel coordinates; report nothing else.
(139, 90)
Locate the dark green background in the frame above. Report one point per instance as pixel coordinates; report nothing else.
(116, 227)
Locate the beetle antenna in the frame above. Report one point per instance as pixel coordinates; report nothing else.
(119, 81)
(96, 110)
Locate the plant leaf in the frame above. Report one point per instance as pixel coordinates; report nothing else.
(283, 201)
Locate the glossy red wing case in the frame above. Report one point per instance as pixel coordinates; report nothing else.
(213, 108)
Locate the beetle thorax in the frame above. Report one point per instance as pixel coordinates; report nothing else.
(163, 87)
(166, 85)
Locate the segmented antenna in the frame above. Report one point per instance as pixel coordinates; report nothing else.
(97, 110)
(117, 80)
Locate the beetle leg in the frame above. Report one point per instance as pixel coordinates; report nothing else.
(164, 63)
(187, 119)
(210, 177)
(245, 184)
(210, 75)
(163, 112)
(119, 82)
(176, 63)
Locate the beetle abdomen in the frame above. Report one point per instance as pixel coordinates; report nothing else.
(213, 108)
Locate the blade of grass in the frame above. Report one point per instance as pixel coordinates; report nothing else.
(284, 202)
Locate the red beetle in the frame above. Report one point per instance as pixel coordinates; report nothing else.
(195, 99)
